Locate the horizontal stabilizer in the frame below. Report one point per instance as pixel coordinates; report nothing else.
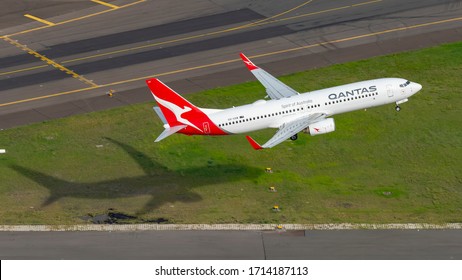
(160, 114)
(169, 131)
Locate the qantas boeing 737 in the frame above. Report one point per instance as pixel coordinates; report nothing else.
(289, 111)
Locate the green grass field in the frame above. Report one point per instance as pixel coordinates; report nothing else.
(379, 166)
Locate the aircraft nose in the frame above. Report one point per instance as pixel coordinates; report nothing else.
(417, 87)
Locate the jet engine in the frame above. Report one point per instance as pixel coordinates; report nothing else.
(321, 127)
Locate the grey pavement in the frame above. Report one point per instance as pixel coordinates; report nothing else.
(254, 245)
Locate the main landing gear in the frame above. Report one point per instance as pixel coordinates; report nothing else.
(294, 137)
(397, 108)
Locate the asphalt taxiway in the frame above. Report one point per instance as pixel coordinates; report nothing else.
(253, 245)
(65, 58)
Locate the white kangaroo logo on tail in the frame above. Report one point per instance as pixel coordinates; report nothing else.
(177, 111)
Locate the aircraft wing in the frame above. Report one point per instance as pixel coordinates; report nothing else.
(286, 130)
(274, 88)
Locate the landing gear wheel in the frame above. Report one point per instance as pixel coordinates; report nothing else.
(294, 137)
(397, 108)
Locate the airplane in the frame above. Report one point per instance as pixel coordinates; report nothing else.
(288, 110)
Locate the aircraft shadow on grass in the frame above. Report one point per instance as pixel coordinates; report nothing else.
(161, 184)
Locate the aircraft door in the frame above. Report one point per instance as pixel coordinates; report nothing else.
(206, 128)
(390, 90)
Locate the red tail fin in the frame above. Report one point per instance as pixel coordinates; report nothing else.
(179, 111)
(174, 107)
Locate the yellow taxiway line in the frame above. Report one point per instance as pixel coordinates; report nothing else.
(21, 70)
(324, 11)
(360, 36)
(74, 19)
(106, 4)
(49, 23)
(236, 60)
(46, 96)
(49, 61)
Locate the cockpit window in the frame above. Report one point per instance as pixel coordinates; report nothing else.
(405, 84)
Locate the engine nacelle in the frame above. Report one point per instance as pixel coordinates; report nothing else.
(321, 127)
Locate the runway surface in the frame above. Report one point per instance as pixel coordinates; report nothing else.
(308, 245)
(64, 57)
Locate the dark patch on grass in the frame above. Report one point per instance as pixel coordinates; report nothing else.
(114, 217)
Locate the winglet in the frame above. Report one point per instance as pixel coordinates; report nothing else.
(253, 143)
(248, 63)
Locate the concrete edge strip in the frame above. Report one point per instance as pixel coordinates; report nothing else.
(218, 227)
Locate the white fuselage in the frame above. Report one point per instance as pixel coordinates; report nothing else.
(331, 101)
